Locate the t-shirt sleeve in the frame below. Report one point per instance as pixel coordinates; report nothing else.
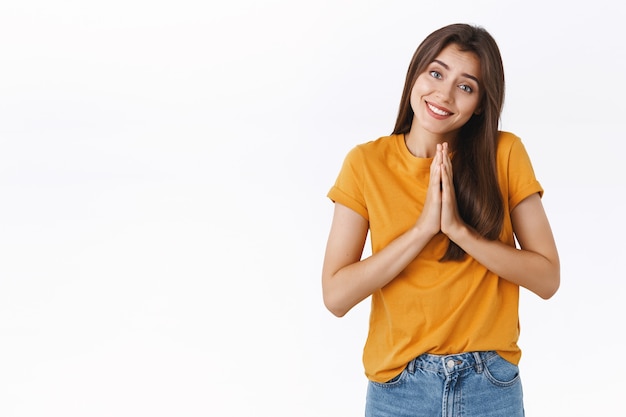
(522, 180)
(348, 188)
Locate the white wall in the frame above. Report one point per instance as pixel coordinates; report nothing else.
(163, 172)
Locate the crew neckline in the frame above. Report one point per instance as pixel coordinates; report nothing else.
(408, 156)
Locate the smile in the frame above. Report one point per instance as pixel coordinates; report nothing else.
(437, 110)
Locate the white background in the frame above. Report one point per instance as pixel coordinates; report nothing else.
(163, 172)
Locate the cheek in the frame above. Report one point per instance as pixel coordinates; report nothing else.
(472, 105)
(416, 94)
(413, 99)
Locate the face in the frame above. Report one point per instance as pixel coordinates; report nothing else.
(447, 94)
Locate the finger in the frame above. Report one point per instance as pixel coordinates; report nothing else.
(438, 157)
(446, 158)
(445, 151)
(446, 179)
(447, 186)
(435, 168)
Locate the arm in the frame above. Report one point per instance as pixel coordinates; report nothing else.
(535, 266)
(346, 279)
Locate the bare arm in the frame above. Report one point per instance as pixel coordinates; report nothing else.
(346, 279)
(535, 266)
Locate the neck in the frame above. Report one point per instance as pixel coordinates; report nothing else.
(424, 144)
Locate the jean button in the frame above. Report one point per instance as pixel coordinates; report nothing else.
(450, 364)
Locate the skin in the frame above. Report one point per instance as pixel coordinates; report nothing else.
(347, 279)
(450, 84)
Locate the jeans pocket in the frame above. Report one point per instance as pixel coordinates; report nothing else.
(501, 372)
(396, 380)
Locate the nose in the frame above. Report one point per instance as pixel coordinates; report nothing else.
(445, 91)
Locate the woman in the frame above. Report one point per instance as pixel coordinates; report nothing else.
(444, 198)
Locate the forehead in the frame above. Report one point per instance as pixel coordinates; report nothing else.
(458, 60)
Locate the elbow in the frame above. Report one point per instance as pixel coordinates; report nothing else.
(334, 306)
(333, 300)
(548, 293)
(551, 287)
(337, 313)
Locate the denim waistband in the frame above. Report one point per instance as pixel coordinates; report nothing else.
(449, 364)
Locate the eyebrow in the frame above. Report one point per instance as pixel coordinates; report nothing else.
(446, 66)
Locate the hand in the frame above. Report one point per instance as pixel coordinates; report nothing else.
(430, 218)
(450, 219)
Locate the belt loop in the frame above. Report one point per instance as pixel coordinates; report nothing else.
(479, 362)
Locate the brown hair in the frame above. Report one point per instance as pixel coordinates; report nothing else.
(474, 163)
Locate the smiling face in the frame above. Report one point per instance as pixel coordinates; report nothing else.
(447, 94)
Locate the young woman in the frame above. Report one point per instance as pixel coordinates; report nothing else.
(444, 198)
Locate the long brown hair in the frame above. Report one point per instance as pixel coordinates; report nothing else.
(474, 163)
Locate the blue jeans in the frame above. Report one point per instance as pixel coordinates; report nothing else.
(464, 385)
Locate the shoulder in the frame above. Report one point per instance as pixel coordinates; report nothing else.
(382, 143)
(509, 145)
(514, 164)
(507, 140)
(380, 147)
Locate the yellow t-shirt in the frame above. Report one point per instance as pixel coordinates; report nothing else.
(431, 307)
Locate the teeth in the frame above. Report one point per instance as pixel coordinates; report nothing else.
(437, 110)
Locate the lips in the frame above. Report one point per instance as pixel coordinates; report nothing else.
(439, 111)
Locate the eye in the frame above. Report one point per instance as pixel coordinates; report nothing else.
(435, 74)
(466, 88)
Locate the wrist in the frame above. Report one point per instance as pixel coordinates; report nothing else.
(420, 232)
(460, 234)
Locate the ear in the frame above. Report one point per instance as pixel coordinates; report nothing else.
(478, 111)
